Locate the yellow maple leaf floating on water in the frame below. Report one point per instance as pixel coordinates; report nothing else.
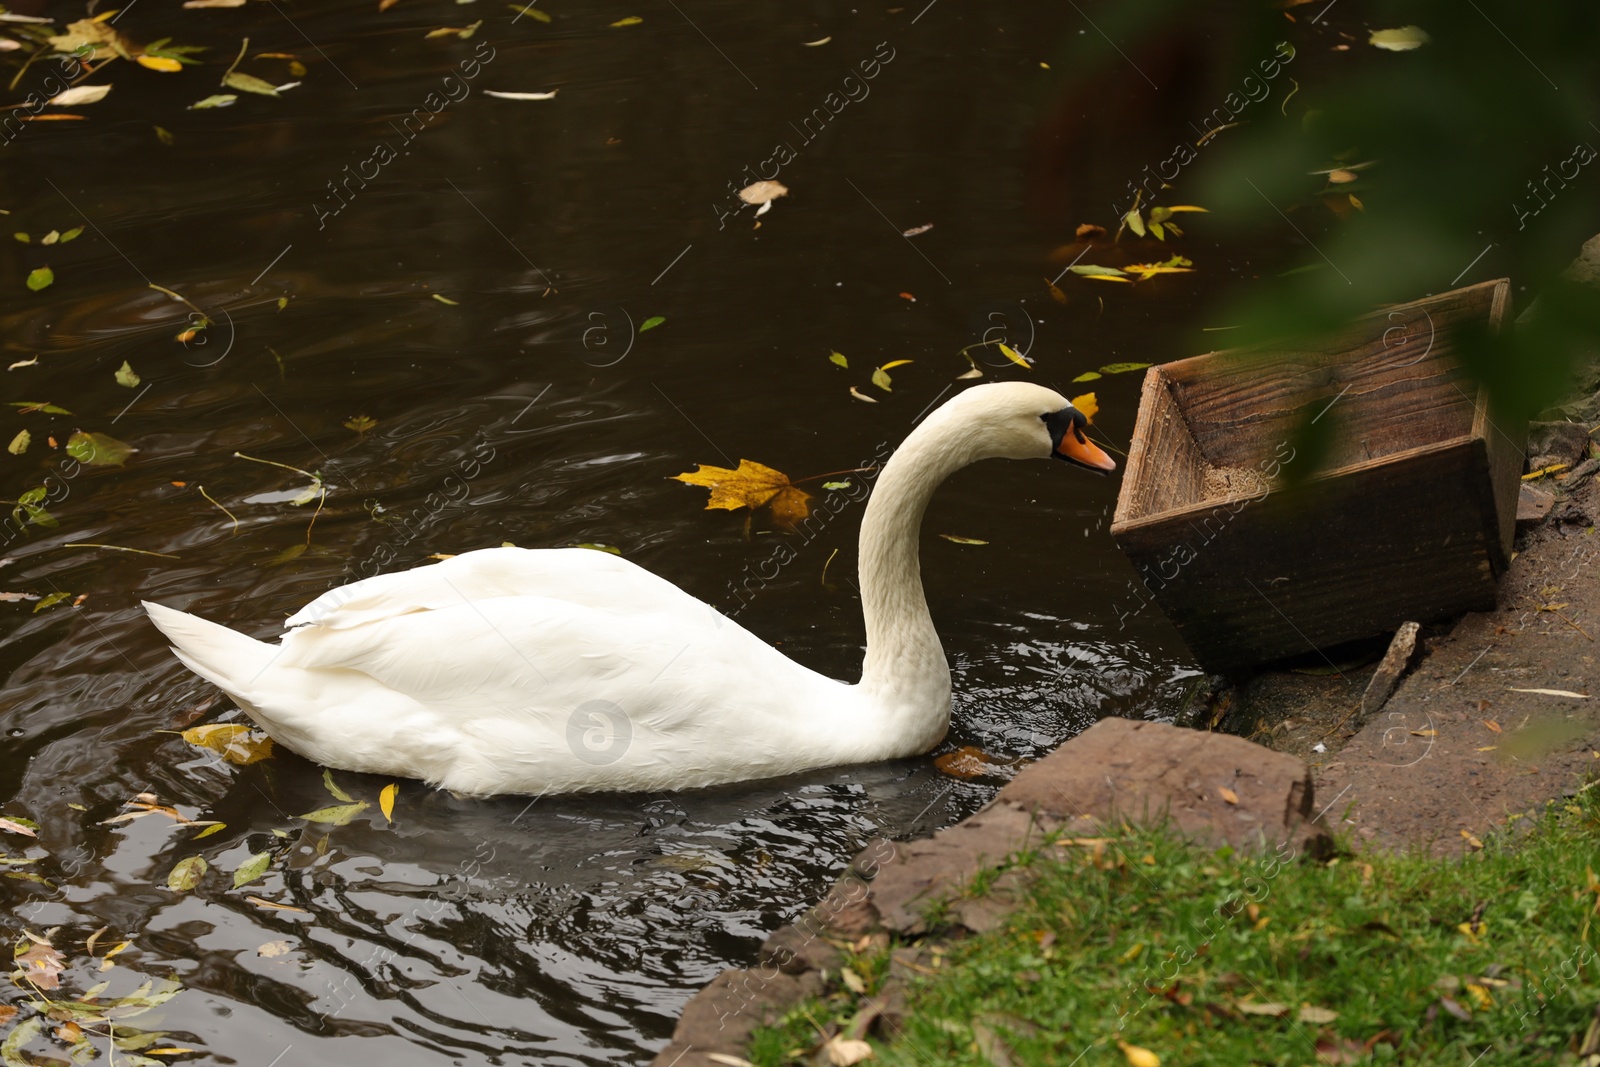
(751, 486)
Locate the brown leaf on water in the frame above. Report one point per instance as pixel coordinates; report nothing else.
(41, 964)
(750, 486)
(1055, 292)
(1089, 229)
(969, 762)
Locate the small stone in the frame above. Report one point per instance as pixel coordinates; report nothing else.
(1533, 503)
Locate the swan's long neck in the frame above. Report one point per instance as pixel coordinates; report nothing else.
(905, 675)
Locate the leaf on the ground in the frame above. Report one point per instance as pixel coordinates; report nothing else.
(19, 444)
(42, 964)
(1403, 39)
(1472, 840)
(214, 100)
(846, 1051)
(962, 540)
(25, 827)
(338, 815)
(750, 486)
(1098, 273)
(1252, 1007)
(333, 788)
(98, 449)
(838, 359)
(652, 322)
(631, 20)
(249, 83)
(1229, 795)
(234, 742)
(1122, 368)
(126, 376)
(1088, 403)
(968, 762)
(1315, 1016)
(994, 1048)
(1139, 1057)
(186, 874)
(763, 192)
(1339, 1051)
(251, 869)
(1553, 693)
(40, 278)
(1425, 733)
(551, 95)
(386, 800)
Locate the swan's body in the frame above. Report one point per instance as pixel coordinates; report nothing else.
(511, 670)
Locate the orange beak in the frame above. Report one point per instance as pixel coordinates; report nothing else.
(1075, 447)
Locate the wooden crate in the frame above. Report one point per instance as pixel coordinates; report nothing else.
(1410, 517)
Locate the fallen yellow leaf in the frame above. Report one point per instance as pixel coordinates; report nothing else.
(386, 801)
(1139, 1057)
(161, 63)
(1088, 404)
(1012, 354)
(1229, 795)
(750, 486)
(233, 741)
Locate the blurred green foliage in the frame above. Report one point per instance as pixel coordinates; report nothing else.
(1481, 151)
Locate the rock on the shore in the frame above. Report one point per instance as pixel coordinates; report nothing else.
(1214, 788)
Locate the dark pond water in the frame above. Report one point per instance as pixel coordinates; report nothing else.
(315, 230)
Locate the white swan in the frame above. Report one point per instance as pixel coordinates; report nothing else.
(510, 670)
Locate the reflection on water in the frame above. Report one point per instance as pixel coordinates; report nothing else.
(528, 407)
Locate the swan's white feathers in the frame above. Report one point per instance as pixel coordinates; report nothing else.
(562, 670)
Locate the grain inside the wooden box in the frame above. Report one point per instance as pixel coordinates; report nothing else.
(1234, 481)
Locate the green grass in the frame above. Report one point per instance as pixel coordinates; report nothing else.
(1154, 943)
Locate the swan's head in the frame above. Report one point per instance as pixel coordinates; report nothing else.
(1020, 420)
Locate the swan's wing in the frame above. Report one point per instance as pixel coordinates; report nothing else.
(576, 575)
(518, 689)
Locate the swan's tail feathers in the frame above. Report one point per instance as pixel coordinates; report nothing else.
(224, 657)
